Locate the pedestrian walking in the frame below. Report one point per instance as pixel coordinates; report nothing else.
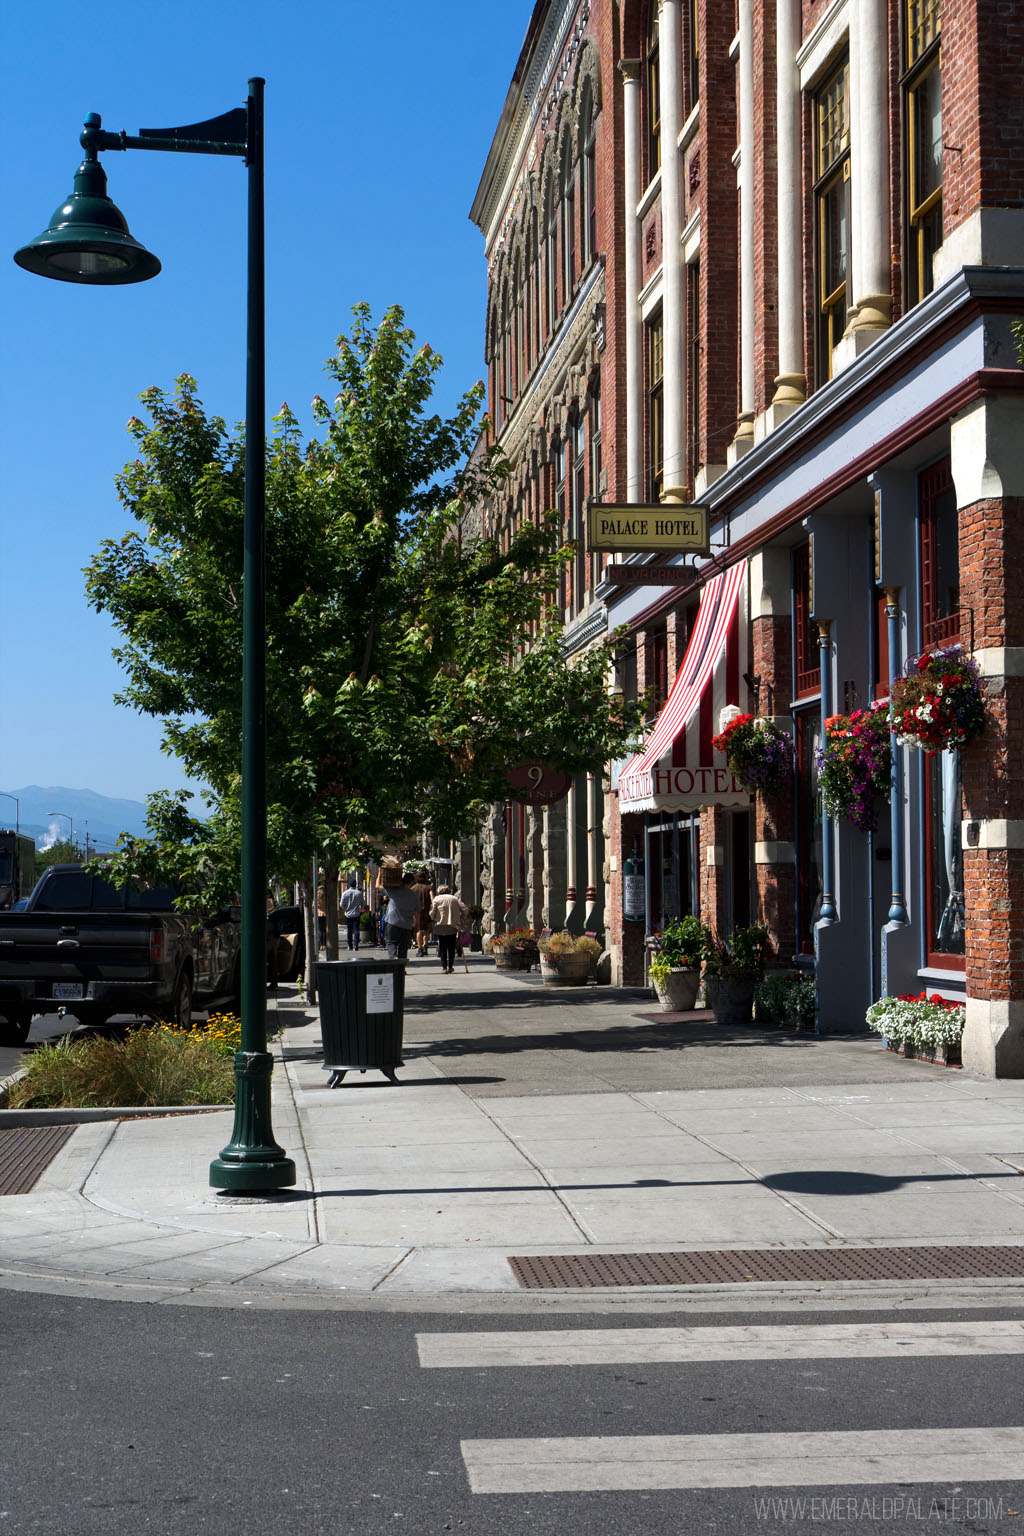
(321, 918)
(448, 915)
(352, 908)
(402, 912)
(421, 936)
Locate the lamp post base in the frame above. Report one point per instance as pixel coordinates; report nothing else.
(252, 1161)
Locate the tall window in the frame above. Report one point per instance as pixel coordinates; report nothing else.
(940, 555)
(588, 183)
(832, 213)
(693, 51)
(806, 654)
(577, 530)
(560, 508)
(693, 372)
(655, 364)
(922, 118)
(568, 225)
(653, 95)
(595, 470)
(551, 259)
(538, 283)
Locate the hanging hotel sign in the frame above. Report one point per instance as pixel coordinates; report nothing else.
(664, 527)
(534, 784)
(650, 575)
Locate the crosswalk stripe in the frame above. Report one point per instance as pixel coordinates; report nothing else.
(630, 1463)
(673, 1346)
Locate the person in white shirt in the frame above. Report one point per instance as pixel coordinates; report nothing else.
(448, 915)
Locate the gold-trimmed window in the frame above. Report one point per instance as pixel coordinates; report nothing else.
(653, 94)
(655, 366)
(922, 120)
(832, 212)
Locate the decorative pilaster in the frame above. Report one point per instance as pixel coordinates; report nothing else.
(744, 438)
(828, 913)
(632, 261)
(674, 387)
(791, 383)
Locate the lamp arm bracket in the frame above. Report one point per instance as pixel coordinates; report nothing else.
(224, 135)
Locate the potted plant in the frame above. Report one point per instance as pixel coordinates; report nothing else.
(786, 998)
(920, 1026)
(855, 765)
(681, 947)
(567, 959)
(758, 752)
(939, 702)
(511, 949)
(732, 971)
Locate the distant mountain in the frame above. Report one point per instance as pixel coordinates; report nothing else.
(101, 817)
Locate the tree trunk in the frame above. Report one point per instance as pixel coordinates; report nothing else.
(330, 878)
(309, 922)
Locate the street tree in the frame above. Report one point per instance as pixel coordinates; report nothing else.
(408, 667)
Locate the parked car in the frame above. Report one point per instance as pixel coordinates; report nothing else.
(286, 944)
(93, 949)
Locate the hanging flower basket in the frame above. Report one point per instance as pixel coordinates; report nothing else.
(855, 764)
(758, 752)
(939, 702)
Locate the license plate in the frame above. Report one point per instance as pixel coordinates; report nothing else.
(68, 991)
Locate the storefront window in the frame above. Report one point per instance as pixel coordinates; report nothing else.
(809, 854)
(945, 887)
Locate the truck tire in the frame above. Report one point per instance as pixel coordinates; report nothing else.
(179, 1010)
(14, 1028)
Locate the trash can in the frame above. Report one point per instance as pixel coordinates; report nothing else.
(361, 1015)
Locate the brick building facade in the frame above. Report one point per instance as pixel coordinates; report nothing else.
(766, 256)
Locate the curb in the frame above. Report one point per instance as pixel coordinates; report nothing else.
(11, 1118)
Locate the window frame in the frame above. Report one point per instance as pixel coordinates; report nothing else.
(652, 93)
(832, 177)
(922, 53)
(654, 395)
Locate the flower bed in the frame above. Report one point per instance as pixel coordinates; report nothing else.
(928, 1027)
(938, 703)
(855, 765)
(758, 752)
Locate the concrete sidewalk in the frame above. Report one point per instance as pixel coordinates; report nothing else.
(529, 1121)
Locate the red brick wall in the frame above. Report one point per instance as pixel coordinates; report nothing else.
(766, 244)
(982, 106)
(719, 266)
(992, 589)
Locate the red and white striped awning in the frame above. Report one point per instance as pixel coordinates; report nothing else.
(678, 770)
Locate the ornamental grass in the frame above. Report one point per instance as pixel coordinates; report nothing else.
(155, 1065)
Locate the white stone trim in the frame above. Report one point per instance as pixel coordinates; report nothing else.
(1000, 660)
(826, 39)
(994, 836)
(993, 1039)
(774, 853)
(714, 857)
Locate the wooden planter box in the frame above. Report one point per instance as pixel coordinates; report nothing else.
(569, 971)
(939, 1055)
(510, 960)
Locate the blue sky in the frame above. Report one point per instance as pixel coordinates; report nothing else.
(379, 120)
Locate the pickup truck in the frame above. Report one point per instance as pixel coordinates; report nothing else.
(93, 950)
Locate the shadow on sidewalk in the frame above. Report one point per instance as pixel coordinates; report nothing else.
(619, 1039)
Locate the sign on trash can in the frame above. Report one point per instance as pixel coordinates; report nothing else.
(361, 1016)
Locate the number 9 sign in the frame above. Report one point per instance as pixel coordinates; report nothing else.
(533, 784)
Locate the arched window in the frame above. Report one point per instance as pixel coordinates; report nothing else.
(537, 285)
(517, 371)
(568, 231)
(551, 257)
(652, 94)
(588, 181)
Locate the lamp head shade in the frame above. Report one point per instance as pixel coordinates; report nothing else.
(88, 240)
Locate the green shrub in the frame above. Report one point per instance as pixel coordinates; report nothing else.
(151, 1066)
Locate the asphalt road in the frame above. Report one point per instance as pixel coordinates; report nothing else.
(120, 1418)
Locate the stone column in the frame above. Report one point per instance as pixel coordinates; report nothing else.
(570, 852)
(871, 279)
(744, 438)
(771, 637)
(593, 848)
(674, 388)
(631, 109)
(791, 383)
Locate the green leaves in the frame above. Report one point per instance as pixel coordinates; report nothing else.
(407, 665)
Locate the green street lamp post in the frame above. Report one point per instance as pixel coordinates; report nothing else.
(88, 241)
